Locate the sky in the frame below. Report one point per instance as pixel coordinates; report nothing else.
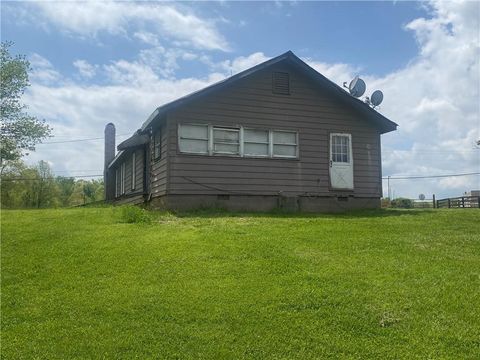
(99, 62)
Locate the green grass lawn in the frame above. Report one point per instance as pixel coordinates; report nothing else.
(79, 284)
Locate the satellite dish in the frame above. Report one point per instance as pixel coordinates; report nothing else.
(357, 87)
(376, 98)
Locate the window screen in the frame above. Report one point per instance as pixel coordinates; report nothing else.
(248, 142)
(284, 144)
(340, 148)
(193, 139)
(255, 142)
(226, 141)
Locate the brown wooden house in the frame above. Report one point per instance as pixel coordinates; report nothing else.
(279, 134)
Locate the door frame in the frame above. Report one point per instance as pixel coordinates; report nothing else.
(330, 135)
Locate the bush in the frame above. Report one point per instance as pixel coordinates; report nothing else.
(386, 203)
(133, 214)
(402, 203)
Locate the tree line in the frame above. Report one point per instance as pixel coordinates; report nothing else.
(24, 187)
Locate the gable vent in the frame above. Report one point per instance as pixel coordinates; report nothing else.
(281, 83)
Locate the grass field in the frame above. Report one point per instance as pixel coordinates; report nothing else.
(80, 284)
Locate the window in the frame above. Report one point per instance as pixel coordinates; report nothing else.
(340, 148)
(284, 144)
(243, 142)
(281, 83)
(193, 139)
(117, 182)
(134, 175)
(122, 178)
(255, 142)
(226, 141)
(157, 145)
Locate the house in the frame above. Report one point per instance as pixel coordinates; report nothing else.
(279, 134)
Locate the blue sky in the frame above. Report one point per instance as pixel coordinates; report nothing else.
(368, 35)
(97, 62)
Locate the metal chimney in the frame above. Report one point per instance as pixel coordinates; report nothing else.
(108, 174)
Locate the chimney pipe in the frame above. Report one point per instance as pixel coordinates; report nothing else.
(108, 174)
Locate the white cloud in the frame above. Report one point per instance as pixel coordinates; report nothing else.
(81, 111)
(338, 73)
(147, 37)
(42, 70)
(93, 17)
(434, 99)
(242, 63)
(85, 69)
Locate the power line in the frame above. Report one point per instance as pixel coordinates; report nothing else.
(421, 152)
(76, 140)
(384, 178)
(74, 171)
(51, 178)
(426, 177)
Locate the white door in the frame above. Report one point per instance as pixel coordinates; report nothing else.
(341, 161)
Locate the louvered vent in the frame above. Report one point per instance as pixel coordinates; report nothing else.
(281, 83)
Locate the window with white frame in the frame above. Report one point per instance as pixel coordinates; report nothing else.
(226, 141)
(240, 141)
(340, 148)
(193, 138)
(134, 175)
(256, 142)
(284, 143)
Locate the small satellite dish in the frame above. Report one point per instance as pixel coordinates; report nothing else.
(376, 98)
(421, 197)
(357, 87)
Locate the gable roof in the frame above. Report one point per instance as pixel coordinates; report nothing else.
(381, 122)
(385, 125)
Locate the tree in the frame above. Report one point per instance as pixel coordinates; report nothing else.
(12, 190)
(25, 186)
(47, 188)
(66, 186)
(19, 131)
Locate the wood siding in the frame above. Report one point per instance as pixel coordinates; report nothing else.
(139, 171)
(251, 102)
(158, 167)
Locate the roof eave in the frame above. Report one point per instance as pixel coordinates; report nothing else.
(384, 124)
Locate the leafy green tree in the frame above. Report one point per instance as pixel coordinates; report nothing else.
(19, 131)
(41, 188)
(12, 189)
(25, 186)
(65, 186)
(89, 191)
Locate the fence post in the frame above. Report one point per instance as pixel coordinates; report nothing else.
(433, 200)
(478, 202)
(463, 202)
(449, 203)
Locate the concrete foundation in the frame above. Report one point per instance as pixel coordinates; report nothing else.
(263, 203)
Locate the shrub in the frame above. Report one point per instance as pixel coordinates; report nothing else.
(403, 203)
(386, 203)
(133, 214)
